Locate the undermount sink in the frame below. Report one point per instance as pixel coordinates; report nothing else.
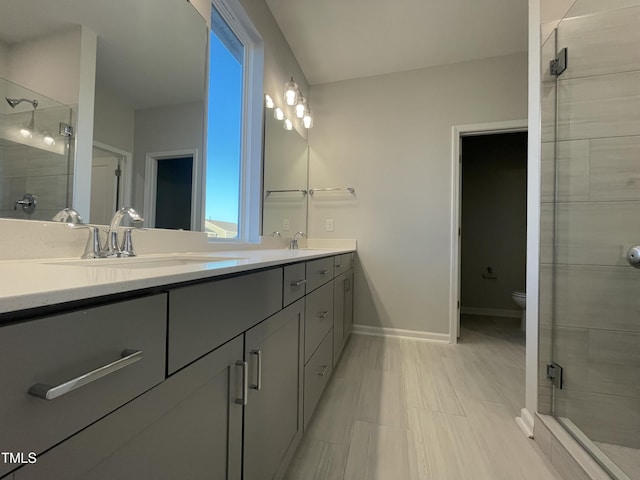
(137, 262)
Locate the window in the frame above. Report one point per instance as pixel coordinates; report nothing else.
(232, 183)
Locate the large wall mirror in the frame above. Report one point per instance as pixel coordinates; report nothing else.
(142, 84)
(285, 179)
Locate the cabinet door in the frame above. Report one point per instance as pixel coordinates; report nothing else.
(189, 426)
(204, 316)
(348, 304)
(84, 345)
(339, 284)
(273, 415)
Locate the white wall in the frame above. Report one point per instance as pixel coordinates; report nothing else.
(279, 63)
(114, 120)
(49, 65)
(164, 129)
(4, 55)
(390, 138)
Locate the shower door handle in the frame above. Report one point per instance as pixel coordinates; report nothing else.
(633, 256)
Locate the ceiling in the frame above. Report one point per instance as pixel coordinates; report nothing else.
(134, 50)
(336, 40)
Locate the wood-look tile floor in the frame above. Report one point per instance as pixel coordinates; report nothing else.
(402, 409)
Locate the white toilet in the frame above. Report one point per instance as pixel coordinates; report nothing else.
(520, 299)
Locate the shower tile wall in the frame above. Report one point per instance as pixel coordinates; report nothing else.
(25, 169)
(589, 297)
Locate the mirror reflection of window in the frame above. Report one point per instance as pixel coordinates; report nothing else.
(224, 141)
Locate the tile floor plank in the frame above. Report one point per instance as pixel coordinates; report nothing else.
(408, 410)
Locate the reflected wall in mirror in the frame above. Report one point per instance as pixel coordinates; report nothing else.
(285, 179)
(132, 71)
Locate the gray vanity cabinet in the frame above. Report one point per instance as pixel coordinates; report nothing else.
(204, 316)
(188, 427)
(112, 353)
(273, 415)
(339, 290)
(348, 304)
(342, 306)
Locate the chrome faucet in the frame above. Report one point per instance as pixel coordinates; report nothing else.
(294, 241)
(112, 249)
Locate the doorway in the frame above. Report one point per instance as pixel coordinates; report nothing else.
(485, 268)
(110, 182)
(170, 193)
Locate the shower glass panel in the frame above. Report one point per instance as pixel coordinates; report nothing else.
(590, 294)
(36, 171)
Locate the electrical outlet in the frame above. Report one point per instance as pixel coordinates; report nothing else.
(329, 224)
(285, 224)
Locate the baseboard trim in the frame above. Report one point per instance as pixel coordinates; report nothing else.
(491, 312)
(525, 422)
(400, 333)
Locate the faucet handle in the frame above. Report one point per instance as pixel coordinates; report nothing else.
(126, 249)
(93, 248)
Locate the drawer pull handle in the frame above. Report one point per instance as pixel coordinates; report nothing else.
(339, 265)
(258, 384)
(245, 383)
(298, 283)
(323, 272)
(47, 392)
(324, 370)
(323, 314)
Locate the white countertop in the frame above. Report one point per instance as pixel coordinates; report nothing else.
(26, 284)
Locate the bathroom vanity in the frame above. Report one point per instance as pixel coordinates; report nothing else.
(188, 370)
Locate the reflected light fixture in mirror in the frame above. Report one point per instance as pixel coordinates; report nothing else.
(307, 120)
(301, 107)
(268, 102)
(291, 92)
(278, 114)
(288, 125)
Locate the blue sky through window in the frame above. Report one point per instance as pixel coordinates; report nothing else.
(224, 133)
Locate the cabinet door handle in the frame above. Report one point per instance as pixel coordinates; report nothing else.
(339, 265)
(323, 314)
(324, 370)
(245, 382)
(347, 284)
(47, 392)
(323, 272)
(258, 384)
(298, 283)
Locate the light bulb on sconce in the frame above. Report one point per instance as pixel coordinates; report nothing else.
(291, 92)
(278, 114)
(307, 120)
(301, 107)
(287, 124)
(268, 102)
(25, 132)
(48, 140)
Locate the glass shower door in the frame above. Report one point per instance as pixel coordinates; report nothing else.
(592, 292)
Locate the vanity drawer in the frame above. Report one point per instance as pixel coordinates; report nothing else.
(318, 318)
(319, 272)
(55, 349)
(316, 375)
(341, 263)
(204, 316)
(294, 285)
